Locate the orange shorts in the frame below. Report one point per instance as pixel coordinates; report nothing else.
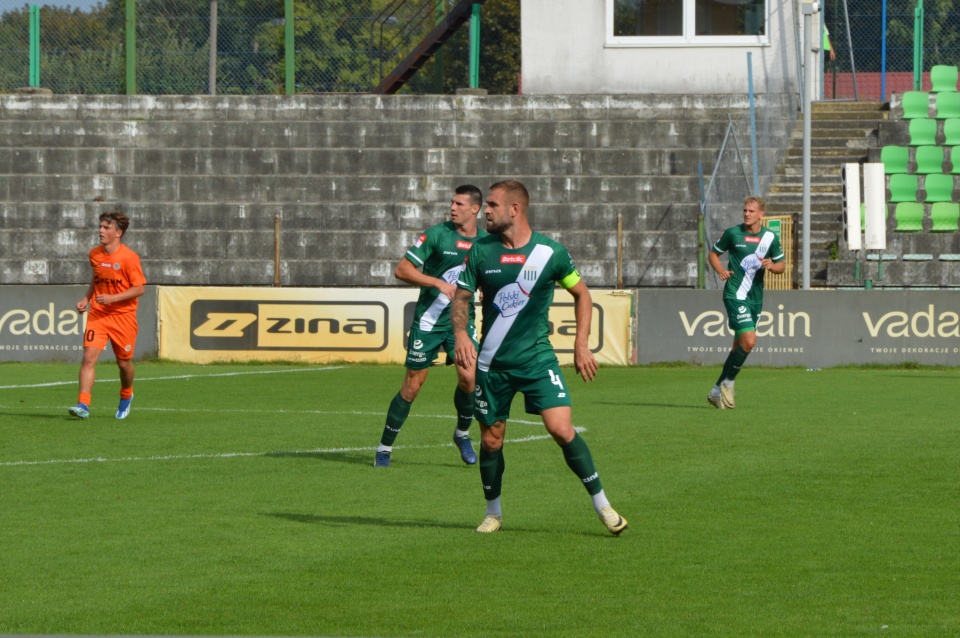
(120, 330)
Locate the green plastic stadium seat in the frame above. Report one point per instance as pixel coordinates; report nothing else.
(916, 104)
(929, 159)
(923, 131)
(895, 159)
(945, 216)
(943, 78)
(955, 160)
(909, 217)
(903, 188)
(951, 131)
(948, 105)
(939, 188)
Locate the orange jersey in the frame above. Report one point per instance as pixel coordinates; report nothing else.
(112, 274)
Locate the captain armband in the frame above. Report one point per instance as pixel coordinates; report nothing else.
(570, 280)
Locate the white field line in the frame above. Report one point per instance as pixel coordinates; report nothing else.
(234, 455)
(174, 377)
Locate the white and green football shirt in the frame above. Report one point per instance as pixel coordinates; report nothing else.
(517, 285)
(745, 252)
(440, 251)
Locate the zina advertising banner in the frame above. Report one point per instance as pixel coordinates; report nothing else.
(320, 325)
(818, 328)
(41, 323)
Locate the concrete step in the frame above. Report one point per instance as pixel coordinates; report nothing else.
(373, 217)
(896, 273)
(359, 134)
(265, 189)
(354, 107)
(315, 162)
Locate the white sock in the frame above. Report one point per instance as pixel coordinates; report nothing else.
(727, 383)
(461, 433)
(493, 507)
(715, 391)
(599, 500)
(385, 448)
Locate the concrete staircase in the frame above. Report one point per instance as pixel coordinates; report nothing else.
(354, 179)
(841, 132)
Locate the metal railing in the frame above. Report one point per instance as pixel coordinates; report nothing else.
(200, 46)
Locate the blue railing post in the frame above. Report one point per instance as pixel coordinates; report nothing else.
(753, 126)
(883, 52)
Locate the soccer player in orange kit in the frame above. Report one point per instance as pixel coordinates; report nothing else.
(111, 304)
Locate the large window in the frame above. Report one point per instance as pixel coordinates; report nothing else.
(660, 22)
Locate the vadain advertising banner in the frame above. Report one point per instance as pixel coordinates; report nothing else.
(41, 323)
(818, 328)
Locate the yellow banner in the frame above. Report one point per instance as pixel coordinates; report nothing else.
(321, 325)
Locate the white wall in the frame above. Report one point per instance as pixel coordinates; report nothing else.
(564, 52)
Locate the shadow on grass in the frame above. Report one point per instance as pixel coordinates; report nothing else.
(353, 458)
(314, 519)
(647, 404)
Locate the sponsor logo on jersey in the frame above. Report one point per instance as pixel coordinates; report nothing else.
(492, 272)
(420, 240)
(513, 259)
(417, 344)
(752, 240)
(463, 245)
(350, 326)
(510, 299)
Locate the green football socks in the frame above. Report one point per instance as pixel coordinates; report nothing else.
(491, 473)
(463, 402)
(735, 361)
(396, 415)
(579, 459)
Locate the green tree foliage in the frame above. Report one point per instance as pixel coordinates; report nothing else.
(341, 46)
(499, 54)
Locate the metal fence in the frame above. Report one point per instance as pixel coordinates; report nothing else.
(874, 45)
(334, 45)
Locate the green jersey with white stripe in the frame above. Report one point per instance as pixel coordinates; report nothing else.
(440, 251)
(745, 252)
(517, 286)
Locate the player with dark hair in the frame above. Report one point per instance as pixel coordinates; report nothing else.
(111, 307)
(753, 249)
(434, 263)
(516, 270)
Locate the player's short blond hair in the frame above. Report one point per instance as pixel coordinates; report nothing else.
(762, 205)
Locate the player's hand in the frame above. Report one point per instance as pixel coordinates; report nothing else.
(725, 274)
(82, 305)
(766, 263)
(464, 353)
(447, 289)
(585, 363)
(104, 300)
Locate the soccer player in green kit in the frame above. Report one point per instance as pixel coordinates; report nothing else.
(516, 270)
(753, 249)
(434, 263)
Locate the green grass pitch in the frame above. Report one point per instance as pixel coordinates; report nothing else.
(241, 500)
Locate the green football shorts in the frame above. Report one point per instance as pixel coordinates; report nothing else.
(742, 315)
(423, 346)
(542, 386)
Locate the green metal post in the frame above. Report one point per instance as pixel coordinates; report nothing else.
(701, 254)
(34, 45)
(290, 53)
(475, 47)
(130, 26)
(918, 46)
(438, 12)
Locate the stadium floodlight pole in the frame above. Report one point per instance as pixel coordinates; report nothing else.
(809, 10)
